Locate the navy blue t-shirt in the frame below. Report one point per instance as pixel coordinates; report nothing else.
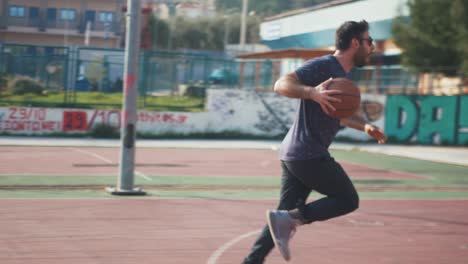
(312, 131)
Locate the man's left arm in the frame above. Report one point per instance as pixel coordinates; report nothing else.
(357, 122)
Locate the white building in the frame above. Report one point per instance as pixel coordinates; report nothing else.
(315, 27)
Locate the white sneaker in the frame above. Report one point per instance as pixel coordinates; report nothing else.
(282, 228)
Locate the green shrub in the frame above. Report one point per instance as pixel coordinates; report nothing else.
(25, 85)
(197, 91)
(104, 131)
(3, 81)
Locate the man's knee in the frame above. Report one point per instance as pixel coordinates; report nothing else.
(289, 204)
(350, 202)
(353, 202)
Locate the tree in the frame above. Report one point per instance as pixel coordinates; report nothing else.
(95, 72)
(434, 36)
(268, 8)
(201, 33)
(460, 16)
(253, 29)
(159, 30)
(210, 32)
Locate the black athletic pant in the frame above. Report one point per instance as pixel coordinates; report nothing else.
(298, 179)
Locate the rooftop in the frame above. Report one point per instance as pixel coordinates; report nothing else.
(308, 9)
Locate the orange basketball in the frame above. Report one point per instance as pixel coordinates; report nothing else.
(350, 97)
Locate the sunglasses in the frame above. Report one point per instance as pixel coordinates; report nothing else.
(369, 40)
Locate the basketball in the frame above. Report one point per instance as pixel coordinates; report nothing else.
(350, 97)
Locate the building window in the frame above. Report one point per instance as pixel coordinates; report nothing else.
(33, 12)
(106, 17)
(17, 11)
(67, 14)
(51, 14)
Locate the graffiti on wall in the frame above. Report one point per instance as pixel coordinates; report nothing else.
(27, 119)
(252, 112)
(419, 119)
(267, 113)
(79, 120)
(277, 112)
(427, 119)
(372, 110)
(47, 120)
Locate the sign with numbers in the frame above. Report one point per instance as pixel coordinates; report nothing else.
(75, 121)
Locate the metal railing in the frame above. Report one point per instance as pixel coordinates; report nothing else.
(70, 71)
(396, 79)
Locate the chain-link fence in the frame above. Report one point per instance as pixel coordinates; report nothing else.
(395, 79)
(86, 77)
(25, 68)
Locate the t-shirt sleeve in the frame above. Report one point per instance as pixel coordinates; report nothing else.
(312, 72)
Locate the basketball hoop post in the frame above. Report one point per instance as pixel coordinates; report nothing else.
(129, 111)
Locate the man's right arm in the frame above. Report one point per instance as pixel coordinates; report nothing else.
(290, 86)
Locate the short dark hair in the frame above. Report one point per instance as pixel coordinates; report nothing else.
(349, 30)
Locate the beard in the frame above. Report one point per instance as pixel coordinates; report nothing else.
(361, 58)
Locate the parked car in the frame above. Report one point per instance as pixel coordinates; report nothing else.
(223, 76)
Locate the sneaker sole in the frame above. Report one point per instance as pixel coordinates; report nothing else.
(273, 236)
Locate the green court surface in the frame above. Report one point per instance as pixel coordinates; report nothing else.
(441, 181)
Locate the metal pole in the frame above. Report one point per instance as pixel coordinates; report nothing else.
(245, 4)
(129, 111)
(172, 13)
(226, 32)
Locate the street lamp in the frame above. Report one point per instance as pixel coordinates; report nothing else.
(245, 4)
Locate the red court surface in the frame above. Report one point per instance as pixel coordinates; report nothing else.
(188, 231)
(181, 162)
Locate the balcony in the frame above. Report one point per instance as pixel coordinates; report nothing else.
(75, 26)
(17, 22)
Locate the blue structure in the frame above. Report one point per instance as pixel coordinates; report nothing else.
(315, 27)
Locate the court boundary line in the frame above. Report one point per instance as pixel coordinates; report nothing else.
(220, 251)
(210, 198)
(137, 173)
(417, 176)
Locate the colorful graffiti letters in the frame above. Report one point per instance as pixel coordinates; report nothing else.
(75, 121)
(105, 117)
(427, 119)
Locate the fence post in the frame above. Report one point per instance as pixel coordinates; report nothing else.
(403, 80)
(66, 75)
(431, 85)
(175, 69)
(1, 58)
(460, 84)
(205, 67)
(143, 81)
(70, 74)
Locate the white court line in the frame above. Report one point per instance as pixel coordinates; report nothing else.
(92, 154)
(137, 173)
(215, 256)
(108, 161)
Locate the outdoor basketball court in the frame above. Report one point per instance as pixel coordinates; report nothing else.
(207, 206)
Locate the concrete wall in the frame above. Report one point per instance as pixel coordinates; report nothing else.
(406, 119)
(246, 112)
